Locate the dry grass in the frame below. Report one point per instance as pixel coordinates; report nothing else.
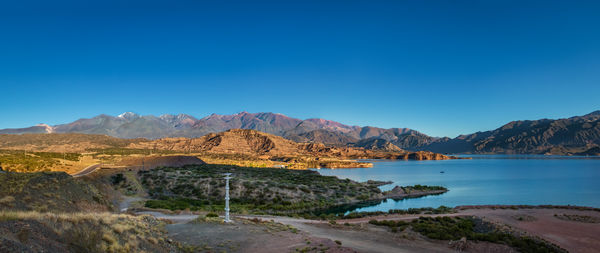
(50, 191)
(105, 218)
(7, 201)
(120, 228)
(98, 232)
(577, 218)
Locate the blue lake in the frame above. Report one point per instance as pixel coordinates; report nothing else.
(487, 179)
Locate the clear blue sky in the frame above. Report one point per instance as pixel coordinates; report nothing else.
(441, 67)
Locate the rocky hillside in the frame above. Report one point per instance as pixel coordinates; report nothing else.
(378, 144)
(321, 136)
(49, 191)
(576, 135)
(255, 143)
(243, 143)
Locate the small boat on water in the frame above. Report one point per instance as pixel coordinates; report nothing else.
(442, 172)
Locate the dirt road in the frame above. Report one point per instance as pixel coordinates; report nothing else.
(574, 236)
(250, 237)
(360, 239)
(87, 170)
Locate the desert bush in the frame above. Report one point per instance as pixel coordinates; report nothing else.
(447, 228)
(7, 201)
(252, 188)
(84, 238)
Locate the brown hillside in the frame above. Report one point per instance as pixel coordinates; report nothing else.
(251, 142)
(152, 162)
(232, 141)
(55, 142)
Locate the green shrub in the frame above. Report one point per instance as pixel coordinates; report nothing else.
(258, 189)
(446, 228)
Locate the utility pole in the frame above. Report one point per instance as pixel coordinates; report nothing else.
(227, 177)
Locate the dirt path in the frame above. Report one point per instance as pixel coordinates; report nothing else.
(574, 236)
(245, 236)
(177, 218)
(253, 238)
(362, 240)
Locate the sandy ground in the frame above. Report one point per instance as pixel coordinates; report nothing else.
(365, 239)
(275, 234)
(368, 238)
(246, 236)
(574, 236)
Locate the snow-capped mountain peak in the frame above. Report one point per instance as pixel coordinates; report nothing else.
(49, 129)
(128, 115)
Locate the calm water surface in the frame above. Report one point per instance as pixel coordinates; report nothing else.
(488, 179)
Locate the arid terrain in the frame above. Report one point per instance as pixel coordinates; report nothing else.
(33, 201)
(166, 195)
(543, 223)
(578, 135)
(73, 152)
(285, 234)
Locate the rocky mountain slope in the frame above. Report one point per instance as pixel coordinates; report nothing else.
(378, 144)
(131, 125)
(574, 135)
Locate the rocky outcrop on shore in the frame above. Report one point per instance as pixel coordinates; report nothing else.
(595, 151)
(401, 192)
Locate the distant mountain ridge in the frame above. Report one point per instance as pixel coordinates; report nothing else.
(575, 135)
(131, 125)
(579, 135)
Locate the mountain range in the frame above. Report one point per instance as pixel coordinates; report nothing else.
(575, 135)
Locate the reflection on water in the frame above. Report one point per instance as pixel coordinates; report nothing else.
(487, 179)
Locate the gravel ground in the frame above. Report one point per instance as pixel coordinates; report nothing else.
(247, 236)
